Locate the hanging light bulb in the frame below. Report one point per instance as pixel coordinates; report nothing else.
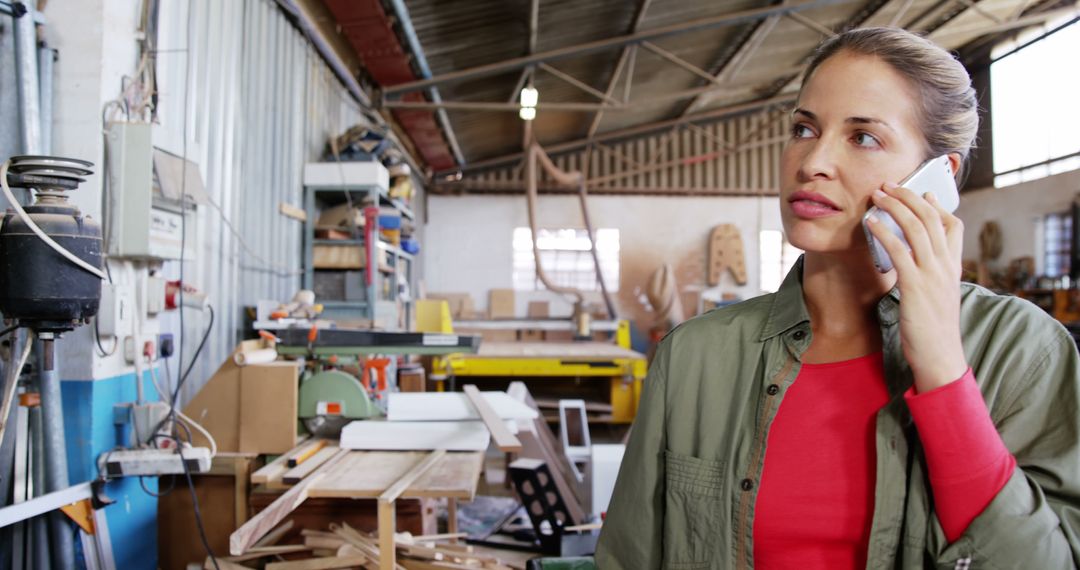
(529, 96)
(527, 113)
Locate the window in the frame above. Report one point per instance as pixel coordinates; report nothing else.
(1057, 244)
(1036, 128)
(566, 258)
(777, 257)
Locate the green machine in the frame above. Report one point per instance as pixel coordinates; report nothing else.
(330, 397)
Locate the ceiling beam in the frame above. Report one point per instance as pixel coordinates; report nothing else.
(812, 24)
(576, 83)
(729, 69)
(680, 62)
(614, 105)
(712, 115)
(605, 44)
(624, 58)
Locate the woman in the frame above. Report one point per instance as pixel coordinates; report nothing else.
(856, 419)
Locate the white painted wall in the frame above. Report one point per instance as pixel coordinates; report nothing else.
(468, 242)
(1018, 210)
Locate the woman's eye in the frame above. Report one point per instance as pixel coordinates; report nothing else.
(800, 131)
(866, 140)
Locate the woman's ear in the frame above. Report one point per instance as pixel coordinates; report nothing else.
(955, 162)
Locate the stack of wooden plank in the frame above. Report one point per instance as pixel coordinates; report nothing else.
(342, 546)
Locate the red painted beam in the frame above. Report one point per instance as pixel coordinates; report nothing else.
(370, 32)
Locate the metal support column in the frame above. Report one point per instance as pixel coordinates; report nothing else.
(56, 473)
(46, 60)
(26, 73)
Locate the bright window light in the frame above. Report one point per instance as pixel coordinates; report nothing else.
(777, 257)
(566, 258)
(1036, 126)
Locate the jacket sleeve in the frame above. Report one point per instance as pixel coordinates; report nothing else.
(1034, 520)
(631, 536)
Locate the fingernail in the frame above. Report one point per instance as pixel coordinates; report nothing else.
(872, 219)
(879, 194)
(889, 186)
(930, 197)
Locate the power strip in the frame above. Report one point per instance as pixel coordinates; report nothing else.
(152, 462)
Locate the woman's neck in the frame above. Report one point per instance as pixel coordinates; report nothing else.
(841, 291)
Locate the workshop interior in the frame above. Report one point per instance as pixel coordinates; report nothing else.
(299, 284)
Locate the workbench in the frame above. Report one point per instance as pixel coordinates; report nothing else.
(614, 362)
(385, 476)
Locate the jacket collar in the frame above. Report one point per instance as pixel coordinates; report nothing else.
(788, 308)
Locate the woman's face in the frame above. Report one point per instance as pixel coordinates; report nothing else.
(855, 127)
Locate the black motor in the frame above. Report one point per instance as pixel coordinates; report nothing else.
(39, 287)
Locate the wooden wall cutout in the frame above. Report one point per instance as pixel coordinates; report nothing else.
(726, 253)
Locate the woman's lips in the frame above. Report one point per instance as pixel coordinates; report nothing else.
(810, 205)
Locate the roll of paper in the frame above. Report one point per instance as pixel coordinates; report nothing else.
(261, 356)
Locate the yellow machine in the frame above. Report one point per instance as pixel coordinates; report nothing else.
(612, 362)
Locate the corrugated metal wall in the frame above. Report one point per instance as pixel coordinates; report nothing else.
(262, 103)
(736, 156)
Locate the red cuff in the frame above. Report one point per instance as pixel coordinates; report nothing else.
(967, 461)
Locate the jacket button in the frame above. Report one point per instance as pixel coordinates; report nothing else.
(747, 484)
(772, 390)
(799, 335)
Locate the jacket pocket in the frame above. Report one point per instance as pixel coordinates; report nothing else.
(692, 495)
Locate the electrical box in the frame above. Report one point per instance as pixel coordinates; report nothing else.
(140, 223)
(116, 312)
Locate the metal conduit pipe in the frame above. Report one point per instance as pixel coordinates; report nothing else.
(307, 26)
(26, 72)
(56, 473)
(402, 14)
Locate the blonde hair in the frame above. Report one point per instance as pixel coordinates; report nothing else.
(948, 111)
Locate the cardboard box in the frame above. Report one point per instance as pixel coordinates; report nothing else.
(539, 310)
(250, 409)
(461, 304)
(501, 304)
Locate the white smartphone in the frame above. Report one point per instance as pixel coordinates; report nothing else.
(934, 176)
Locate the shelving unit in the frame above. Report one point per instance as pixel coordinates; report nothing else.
(356, 289)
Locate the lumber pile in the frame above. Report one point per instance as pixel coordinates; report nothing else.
(342, 546)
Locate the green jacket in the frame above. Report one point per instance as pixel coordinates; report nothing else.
(688, 483)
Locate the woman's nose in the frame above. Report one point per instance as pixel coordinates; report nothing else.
(819, 161)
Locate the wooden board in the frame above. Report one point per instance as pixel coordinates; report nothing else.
(333, 256)
(296, 474)
(251, 531)
(726, 253)
(368, 474)
(504, 440)
(415, 436)
(575, 350)
(452, 406)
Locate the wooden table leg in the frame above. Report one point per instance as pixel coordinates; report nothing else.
(387, 523)
(451, 517)
(242, 471)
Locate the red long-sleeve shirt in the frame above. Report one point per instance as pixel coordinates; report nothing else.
(816, 500)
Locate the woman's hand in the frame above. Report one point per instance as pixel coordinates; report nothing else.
(929, 280)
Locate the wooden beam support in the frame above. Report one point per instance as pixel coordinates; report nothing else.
(244, 537)
(504, 440)
(386, 514)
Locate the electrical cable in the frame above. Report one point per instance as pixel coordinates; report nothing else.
(37, 231)
(192, 423)
(171, 417)
(195, 504)
(279, 270)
